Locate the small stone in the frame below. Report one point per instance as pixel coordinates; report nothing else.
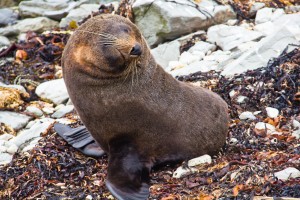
(199, 66)
(241, 99)
(5, 158)
(59, 107)
(30, 124)
(262, 126)
(263, 15)
(199, 160)
(181, 172)
(233, 141)
(48, 110)
(287, 173)
(232, 22)
(256, 112)
(34, 110)
(296, 134)
(88, 197)
(6, 136)
(256, 6)
(247, 115)
(13, 119)
(272, 112)
(232, 93)
(12, 149)
(296, 124)
(4, 41)
(188, 58)
(31, 145)
(54, 91)
(63, 111)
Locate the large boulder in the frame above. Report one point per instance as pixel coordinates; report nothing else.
(7, 16)
(161, 20)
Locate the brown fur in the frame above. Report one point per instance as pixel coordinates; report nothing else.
(119, 96)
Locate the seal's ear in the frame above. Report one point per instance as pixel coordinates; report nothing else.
(128, 174)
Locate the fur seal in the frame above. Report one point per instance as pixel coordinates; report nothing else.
(138, 114)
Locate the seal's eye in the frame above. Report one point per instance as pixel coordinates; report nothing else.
(136, 50)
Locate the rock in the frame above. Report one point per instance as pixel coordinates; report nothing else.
(288, 32)
(38, 24)
(6, 136)
(218, 56)
(296, 124)
(266, 28)
(188, 58)
(41, 126)
(292, 9)
(233, 141)
(277, 14)
(232, 22)
(241, 99)
(229, 37)
(18, 87)
(203, 66)
(246, 46)
(13, 119)
(5, 158)
(287, 173)
(8, 147)
(4, 41)
(34, 110)
(263, 15)
(161, 20)
(203, 47)
(89, 197)
(7, 16)
(12, 149)
(272, 112)
(262, 126)
(255, 7)
(247, 115)
(79, 14)
(53, 9)
(232, 93)
(296, 134)
(54, 91)
(32, 144)
(181, 172)
(199, 160)
(63, 111)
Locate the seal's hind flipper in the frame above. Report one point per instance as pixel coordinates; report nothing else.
(80, 138)
(128, 174)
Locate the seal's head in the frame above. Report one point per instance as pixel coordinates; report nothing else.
(106, 45)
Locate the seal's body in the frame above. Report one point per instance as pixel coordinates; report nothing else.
(139, 114)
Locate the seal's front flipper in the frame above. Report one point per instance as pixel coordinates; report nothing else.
(128, 174)
(80, 138)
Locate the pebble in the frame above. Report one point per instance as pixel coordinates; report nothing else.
(32, 144)
(4, 41)
(296, 124)
(272, 112)
(188, 58)
(181, 171)
(263, 126)
(6, 136)
(63, 111)
(54, 91)
(287, 173)
(13, 119)
(5, 158)
(200, 160)
(263, 15)
(34, 110)
(233, 141)
(296, 134)
(241, 99)
(247, 115)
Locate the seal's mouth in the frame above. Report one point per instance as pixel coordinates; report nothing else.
(136, 51)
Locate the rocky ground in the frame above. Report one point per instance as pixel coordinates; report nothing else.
(246, 51)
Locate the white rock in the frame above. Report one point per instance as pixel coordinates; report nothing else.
(31, 145)
(241, 99)
(256, 6)
(36, 130)
(296, 134)
(293, 9)
(201, 46)
(79, 14)
(277, 14)
(263, 15)
(233, 141)
(13, 119)
(59, 107)
(296, 124)
(5, 158)
(12, 149)
(229, 37)
(262, 126)
(256, 112)
(6, 136)
(232, 93)
(266, 28)
(199, 160)
(232, 22)
(48, 110)
(174, 65)
(218, 56)
(4, 41)
(63, 111)
(54, 91)
(7, 16)
(199, 66)
(181, 172)
(188, 58)
(272, 112)
(30, 124)
(246, 46)
(161, 20)
(287, 32)
(88, 197)
(34, 110)
(247, 115)
(287, 173)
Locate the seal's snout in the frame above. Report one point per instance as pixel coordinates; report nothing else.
(136, 50)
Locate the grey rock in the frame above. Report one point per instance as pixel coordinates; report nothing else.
(7, 16)
(201, 46)
(54, 91)
(34, 110)
(31, 144)
(78, 14)
(63, 111)
(160, 20)
(229, 37)
(170, 51)
(184, 171)
(35, 131)
(218, 56)
(5, 158)
(38, 24)
(255, 7)
(263, 15)
(266, 28)
(287, 173)
(287, 32)
(13, 119)
(4, 41)
(247, 115)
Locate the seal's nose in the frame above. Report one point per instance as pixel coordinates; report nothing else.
(136, 50)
